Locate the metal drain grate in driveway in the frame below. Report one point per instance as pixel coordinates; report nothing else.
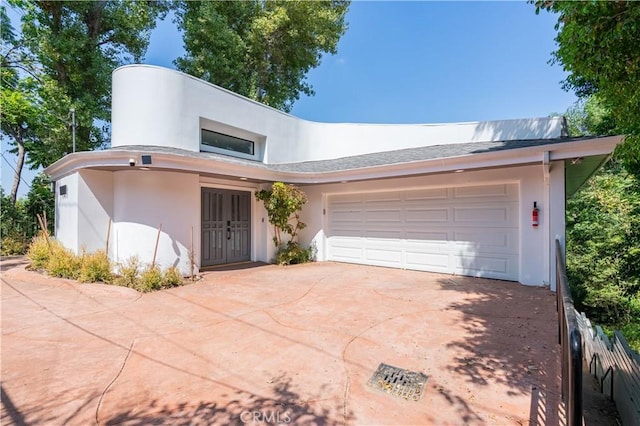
(399, 382)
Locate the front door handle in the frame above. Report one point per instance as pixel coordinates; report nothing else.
(228, 230)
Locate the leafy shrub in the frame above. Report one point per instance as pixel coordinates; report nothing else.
(150, 279)
(63, 263)
(283, 204)
(96, 267)
(172, 277)
(631, 332)
(39, 253)
(129, 272)
(12, 245)
(292, 253)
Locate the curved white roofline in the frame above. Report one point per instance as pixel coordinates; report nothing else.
(157, 106)
(214, 86)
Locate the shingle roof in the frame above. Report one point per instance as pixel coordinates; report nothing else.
(387, 158)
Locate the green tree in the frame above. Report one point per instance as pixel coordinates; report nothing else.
(598, 44)
(41, 201)
(19, 121)
(603, 234)
(14, 226)
(259, 49)
(62, 59)
(603, 246)
(588, 116)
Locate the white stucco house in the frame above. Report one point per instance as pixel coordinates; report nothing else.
(188, 156)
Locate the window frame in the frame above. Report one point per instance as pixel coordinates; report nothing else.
(206, 147)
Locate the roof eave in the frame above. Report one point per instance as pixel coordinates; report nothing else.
(491, 159)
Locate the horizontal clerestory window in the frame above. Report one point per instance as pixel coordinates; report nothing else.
(226, 142)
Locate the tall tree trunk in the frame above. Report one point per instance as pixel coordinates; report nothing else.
(18, 171)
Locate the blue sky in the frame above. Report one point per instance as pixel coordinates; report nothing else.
(422, 62)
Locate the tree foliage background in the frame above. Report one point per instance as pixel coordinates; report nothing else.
(259, 49)
(599, 45)
(603, 235)
(62, 58)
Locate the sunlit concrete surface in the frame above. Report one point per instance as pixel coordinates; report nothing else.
(277, 344)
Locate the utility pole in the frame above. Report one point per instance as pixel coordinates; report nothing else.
(73, 128)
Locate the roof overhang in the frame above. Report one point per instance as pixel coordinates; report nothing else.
(579, 169)
(582, 158)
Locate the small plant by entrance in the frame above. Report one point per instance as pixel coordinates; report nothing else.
(283, 204)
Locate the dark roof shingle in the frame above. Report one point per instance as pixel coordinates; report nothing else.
(401, 156)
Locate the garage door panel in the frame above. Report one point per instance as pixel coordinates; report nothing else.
(437, 247)
(339, 232)
(338, 216)
(383, 215)
(420, 237)
(497, 215)
(433, 215)
(425, 261)
(382, 255)
(383, 235)
(467, 230)
(484, 266)
(346, 253)
(488, 241)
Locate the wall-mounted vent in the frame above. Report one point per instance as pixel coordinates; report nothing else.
(63, 190)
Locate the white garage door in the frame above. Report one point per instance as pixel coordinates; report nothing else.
(471, 230)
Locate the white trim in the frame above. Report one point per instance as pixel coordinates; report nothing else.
(221, 151)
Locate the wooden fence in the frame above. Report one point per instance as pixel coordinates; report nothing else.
(616, 367)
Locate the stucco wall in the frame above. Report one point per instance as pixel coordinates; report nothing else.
(95, 208)
(144, 200)
(158, 106)
(557, 219)
(533, 269)
(66, 225)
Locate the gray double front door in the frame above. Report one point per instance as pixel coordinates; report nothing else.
(226, 226)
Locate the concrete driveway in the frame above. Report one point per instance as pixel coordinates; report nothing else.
(269, 345)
